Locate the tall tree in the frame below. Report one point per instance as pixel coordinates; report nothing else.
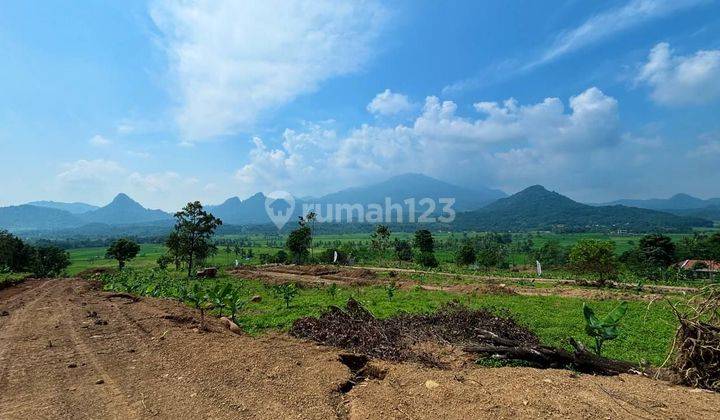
(123, 250)
(194, 227)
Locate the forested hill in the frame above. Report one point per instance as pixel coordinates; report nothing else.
(536, 208)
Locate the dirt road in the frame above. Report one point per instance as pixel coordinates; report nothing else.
(69, 351)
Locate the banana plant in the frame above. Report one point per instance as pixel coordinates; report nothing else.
(199, 299)
(605, 329)
(217, 295)
(235, 303)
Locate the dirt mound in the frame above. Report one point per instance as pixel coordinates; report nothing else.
(407, 337)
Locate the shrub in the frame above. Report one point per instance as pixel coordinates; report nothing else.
(427, 259)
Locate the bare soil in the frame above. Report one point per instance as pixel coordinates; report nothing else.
(68, 350)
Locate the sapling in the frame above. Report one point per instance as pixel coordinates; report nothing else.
(197, 296)
(332, 290)
(235, 303)
(390, 289)
(287, 291)
(217, 295)
(605, 329)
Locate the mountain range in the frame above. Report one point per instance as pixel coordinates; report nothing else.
(534, 208)
(679, 204)
(676, 202)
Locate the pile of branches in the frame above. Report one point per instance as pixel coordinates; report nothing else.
(697, 341)
(476, 331)
(357, 330)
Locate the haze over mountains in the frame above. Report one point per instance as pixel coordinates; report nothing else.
(534, 208)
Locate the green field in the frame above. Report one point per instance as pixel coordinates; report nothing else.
(646, 331)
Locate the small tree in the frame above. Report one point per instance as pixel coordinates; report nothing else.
(403, 250)
(466, 254)
(174, 246)
(424, 241)
(380, 240)
(49, 261)
(427, 259)
(657, 250)
(287, 292)
(122, 250)
(163, 261)
(298, 243)
(590, 256)
(194, 228)
(551, 253)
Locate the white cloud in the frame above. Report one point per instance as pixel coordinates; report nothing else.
(160, 182)
(233, 60)
(389, 103)
(611, 22)
(506, 137)
(137, 154)
(98, 140)
(682, 80)
(89, 170)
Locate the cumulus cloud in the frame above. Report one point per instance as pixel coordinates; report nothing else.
(681, 80)
(504, 139)
(233, 60)
(98, 140)
(389, 103)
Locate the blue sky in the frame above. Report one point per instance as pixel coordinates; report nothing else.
(172, 101)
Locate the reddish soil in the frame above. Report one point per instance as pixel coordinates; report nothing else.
(69, 351)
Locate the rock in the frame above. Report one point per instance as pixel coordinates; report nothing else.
(72, 365)
(430, 384)
(256, 299)
(4, 313)
(231, 325)
(99, 382)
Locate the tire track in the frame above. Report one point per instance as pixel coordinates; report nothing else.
(11, 331)
(115, 400)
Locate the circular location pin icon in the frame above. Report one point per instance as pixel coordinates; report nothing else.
(279, 206)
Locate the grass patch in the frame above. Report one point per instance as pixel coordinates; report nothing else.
(645, 334)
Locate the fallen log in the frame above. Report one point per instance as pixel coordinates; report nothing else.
(123, 296)
(545, 357)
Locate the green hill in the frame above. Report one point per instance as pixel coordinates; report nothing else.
(536, 208)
